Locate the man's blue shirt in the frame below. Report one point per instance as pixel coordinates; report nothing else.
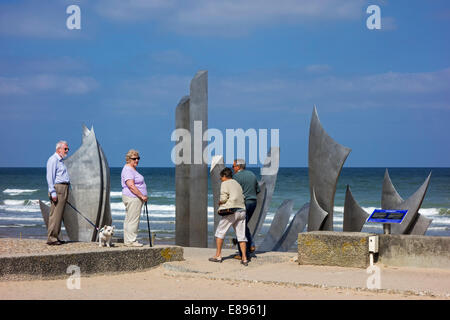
(56, 173)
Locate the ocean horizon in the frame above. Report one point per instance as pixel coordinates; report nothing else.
(21, 188)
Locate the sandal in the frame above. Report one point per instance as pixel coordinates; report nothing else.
(215, 259)
(244, 262)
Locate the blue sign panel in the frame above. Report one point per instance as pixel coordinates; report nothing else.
(387, 216)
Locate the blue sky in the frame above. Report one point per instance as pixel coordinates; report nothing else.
(383, 93)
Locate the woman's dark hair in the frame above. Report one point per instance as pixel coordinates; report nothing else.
(226, 172)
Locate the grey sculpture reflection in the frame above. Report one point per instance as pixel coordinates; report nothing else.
(414, 222)
(90, 190)
(325, 160)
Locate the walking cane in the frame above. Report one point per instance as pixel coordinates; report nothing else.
(148, 225)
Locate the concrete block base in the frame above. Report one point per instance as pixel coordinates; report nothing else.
(95, 261)
(328, 248)
(414, 251)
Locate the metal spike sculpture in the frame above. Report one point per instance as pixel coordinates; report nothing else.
(325, 160)
(90, 190)
(414, 222)
(354, 215)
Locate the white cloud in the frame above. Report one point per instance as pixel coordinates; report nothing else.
(228, 18)
(44, 83)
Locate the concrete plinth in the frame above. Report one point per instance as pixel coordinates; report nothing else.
(328, 248)
(91, 260)
(414, 251)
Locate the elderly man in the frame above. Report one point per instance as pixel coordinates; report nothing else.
(250, 187)
(58, 189)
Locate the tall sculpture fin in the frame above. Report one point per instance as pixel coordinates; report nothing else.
(260, 202)
(182, 177)
(325, 161)
(412, 204)
(84, 167)
(192, 177)
(354, 215)
(278, 225)
(297, 225)
(269, 173)
(390, 198)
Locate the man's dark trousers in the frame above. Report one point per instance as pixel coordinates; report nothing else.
(250, 206)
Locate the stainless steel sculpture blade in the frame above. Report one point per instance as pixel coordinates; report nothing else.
(317, 215)
(296, 226)
(105, 217)
(269, 173)
(192, 177)
(354, 215)
(390, 199)
(325, 161)
(86, 192)
(278, 226)
(260, 201)
(421, 225)
(182, 178)
(217, 165)
(412, 204)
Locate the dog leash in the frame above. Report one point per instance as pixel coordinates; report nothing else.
(76, 210)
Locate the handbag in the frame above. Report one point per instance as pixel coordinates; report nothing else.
(226, 212)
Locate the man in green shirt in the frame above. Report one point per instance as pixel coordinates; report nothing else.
(250, 188)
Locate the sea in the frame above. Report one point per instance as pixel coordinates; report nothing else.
(22, 188)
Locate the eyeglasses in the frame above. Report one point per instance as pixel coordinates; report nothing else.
(134, 159)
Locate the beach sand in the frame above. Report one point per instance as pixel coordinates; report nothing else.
(269, 276)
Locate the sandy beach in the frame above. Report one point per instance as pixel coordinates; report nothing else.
(269, 276)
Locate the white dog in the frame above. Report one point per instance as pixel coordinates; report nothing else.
(105, 236)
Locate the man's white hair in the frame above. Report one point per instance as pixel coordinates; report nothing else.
(61, 143)
(240, 163)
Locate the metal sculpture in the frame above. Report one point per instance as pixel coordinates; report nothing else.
(414, 222)
(325, 161)
(278, 226)
(191, 178)
(297, 225)
(269, 173)
(354, 215)
(90, 190)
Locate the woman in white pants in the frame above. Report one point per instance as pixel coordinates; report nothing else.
(134, 195)
(231, 198)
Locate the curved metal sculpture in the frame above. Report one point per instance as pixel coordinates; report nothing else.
(269, 173)
(296, 226)
(354, 215)
(414, 222)
(90, 190)
(278, 225)
(325, 161)
(316, 216)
